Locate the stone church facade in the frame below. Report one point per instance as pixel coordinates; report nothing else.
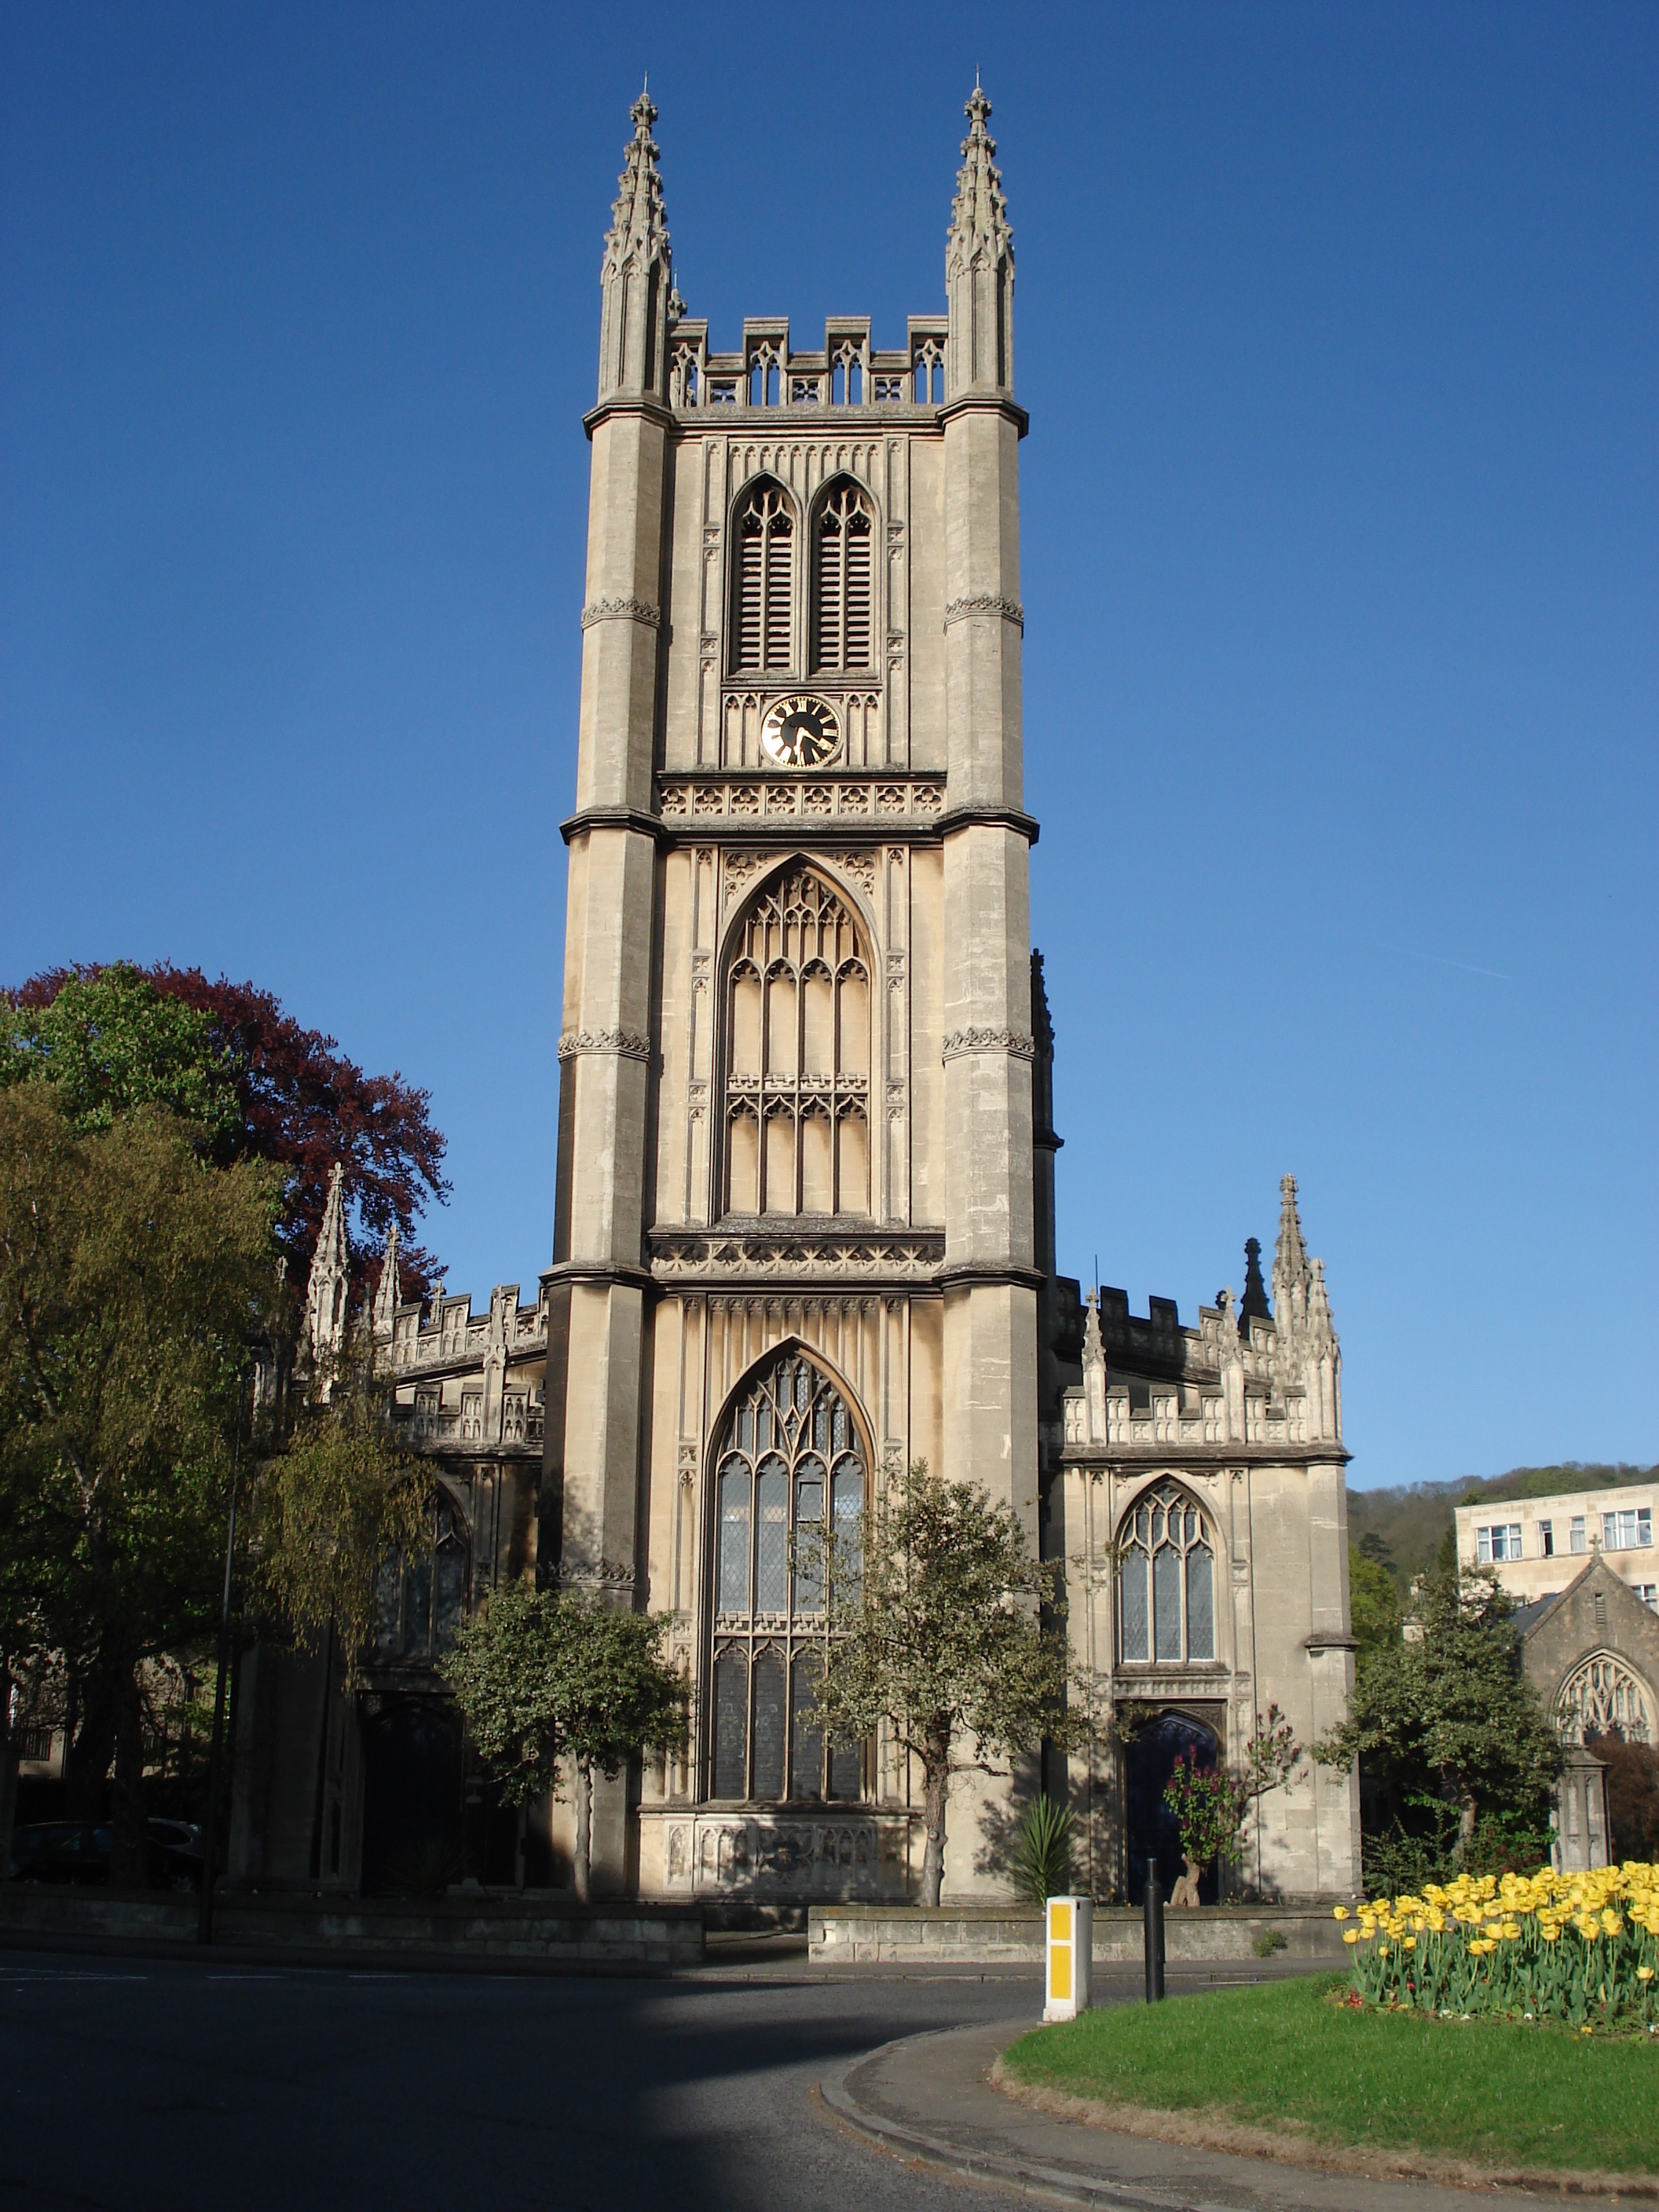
(804, 1229)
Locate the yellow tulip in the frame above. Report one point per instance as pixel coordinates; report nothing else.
(1352, 1936)
(1644, 1973)
(1341, 1913)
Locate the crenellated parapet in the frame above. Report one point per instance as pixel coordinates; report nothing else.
(1271, 1381)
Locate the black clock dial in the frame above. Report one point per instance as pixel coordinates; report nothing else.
(800, 732)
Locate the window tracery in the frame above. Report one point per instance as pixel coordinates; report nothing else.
(1166, 1581)
(797, 1055)
(789, 1455)
(419, 1604)
(764, 581)
(843, 581)
(1600, 1697)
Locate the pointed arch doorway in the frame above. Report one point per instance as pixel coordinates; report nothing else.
(1150, 1828)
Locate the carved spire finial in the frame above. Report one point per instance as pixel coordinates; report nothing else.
(326, 1289)
(637, 274)
(1292, 1274)
(979, 265)
(386, 1290)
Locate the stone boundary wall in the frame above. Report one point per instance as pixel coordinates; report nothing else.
(861, 1934)
(487, 1927)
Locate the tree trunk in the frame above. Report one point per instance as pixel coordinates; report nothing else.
(1185, 1892)
(584, 1867)
(936, 1789)
(7, 1768)
(89, 1749)
(129, 1866)
(1465, 1829)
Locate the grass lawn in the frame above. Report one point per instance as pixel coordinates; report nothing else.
(1494, 2091)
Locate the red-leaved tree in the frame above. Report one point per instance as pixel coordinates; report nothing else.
(303, 1105)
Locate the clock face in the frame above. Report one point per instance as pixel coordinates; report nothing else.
(800, 732)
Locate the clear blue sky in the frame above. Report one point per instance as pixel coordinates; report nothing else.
(1337, 329)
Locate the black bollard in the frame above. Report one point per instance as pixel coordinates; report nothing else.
(1152, 1921)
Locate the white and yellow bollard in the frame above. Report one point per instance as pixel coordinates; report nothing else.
(1071, 1954)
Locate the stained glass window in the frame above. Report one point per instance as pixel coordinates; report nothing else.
(1166, 1582)
(791, 1455)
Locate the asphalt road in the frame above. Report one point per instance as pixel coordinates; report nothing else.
(175, 2087)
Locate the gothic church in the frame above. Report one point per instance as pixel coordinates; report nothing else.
(806, 1180)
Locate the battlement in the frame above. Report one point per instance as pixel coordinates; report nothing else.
(1242, 1377)
(765, 375)
(447, 1333)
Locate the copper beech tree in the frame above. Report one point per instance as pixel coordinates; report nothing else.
(227, 1056)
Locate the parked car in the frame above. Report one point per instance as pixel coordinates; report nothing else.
(78, 1851)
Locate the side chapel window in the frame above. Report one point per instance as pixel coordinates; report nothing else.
(790, 1454)
(1166, 1581)
(841, 582)
(764, 581)
(797, 1055)
(419, 1602)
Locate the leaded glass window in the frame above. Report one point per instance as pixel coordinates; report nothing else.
(1166, 1582)
(791, 1452)
(420, 1602)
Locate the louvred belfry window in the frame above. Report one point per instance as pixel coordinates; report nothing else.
(843, 581)
(797, 1025)
(790, 1455)
(764, 582)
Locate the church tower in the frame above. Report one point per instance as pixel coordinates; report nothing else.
(795, 1246)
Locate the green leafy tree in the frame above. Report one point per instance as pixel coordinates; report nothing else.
(260, 1086)
(334, 1496)
(546, 1679)
(1373, 1605)
(1452, 1718)
(941, 1622)
(109, 1042)
(130, 1275)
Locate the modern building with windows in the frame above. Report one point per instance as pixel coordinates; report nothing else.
(1539, 1545)
(805, 1230)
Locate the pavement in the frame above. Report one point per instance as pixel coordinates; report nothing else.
(148, 2083)
(925, 2098)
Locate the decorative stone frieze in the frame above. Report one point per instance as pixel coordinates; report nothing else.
(832, 1255)
(1015, 1042)
(594, 1574)
(623, 1044)
(628, 610)
(748, 799)
(985, 602)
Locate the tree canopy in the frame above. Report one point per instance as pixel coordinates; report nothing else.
(545, 1677)
(130, 1275)
(259, 1087)
(944, 1626)
(1454, 1717)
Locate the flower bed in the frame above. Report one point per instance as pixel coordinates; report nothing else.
(1583, 1948)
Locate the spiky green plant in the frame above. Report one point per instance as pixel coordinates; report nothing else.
(1042, 1851)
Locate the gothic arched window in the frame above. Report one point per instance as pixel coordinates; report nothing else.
(420, 1602)
(764, 581)
(1166, 1581)
(797, 1055)
(1601, 1697)
(790, 1454)
(842, 579)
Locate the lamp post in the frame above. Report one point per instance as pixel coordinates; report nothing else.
(210, 1835)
